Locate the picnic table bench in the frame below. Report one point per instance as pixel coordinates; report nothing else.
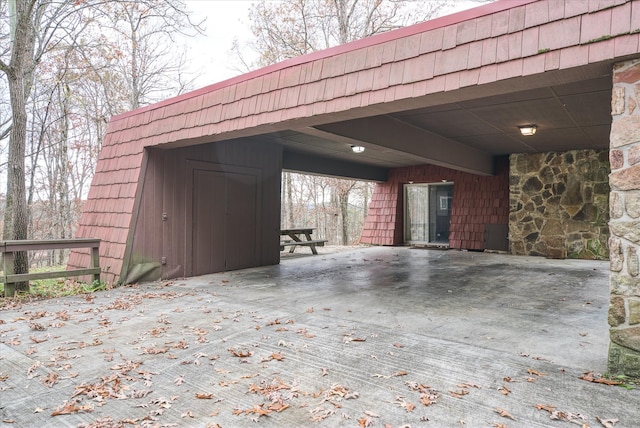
(300, 236)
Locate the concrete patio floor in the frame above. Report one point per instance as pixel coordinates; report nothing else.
(367, 337)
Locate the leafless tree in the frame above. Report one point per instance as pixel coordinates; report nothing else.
(286, 29)
(90, 76)
(145, 47)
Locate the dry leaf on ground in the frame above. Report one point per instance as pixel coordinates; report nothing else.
(607, 423)
(504, 413)
(590, 377)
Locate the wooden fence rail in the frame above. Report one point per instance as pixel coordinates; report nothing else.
(9, 248)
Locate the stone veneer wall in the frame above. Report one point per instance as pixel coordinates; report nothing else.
(559, 204)
(624, 244)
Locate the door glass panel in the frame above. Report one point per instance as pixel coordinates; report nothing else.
(428, 213)
(416, 213)
(439, 213)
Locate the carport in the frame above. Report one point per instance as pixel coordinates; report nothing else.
(191, 185)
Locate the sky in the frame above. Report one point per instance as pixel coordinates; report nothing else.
(226, 20)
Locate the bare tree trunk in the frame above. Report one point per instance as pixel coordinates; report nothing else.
(63, 182)
(335, 210)
(344, 214)
(289, 199)
(316, 209)
(365, 201)
(17, 226)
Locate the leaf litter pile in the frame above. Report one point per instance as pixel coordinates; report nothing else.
(203, 360)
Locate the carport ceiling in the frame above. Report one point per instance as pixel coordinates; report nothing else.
(569, 116)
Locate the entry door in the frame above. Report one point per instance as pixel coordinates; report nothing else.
(428, 213)
(224, 221)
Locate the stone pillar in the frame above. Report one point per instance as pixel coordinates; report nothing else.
(624, 201)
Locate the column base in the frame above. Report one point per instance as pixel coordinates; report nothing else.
(623, 361)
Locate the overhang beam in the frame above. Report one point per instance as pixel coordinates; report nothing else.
(310, 164)
(435, 149)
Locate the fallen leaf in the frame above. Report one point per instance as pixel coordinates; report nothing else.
(141, 393)
(204, 395)
(365, 422)
(429, 398)
(249, 376)
(409, 407)
(548, 407)
(277, 356)
(187, 414)
(468, 385)
(278, 407)
(459, 394)
(590, 377)
(69, 408)
(535, 373)
(154, 351)
(504, 390)
(240, 353)
(50, 380)
(504, 413)
(181, 345)
(607, 423)
(258, 410)
(36, 326)
(320, 414)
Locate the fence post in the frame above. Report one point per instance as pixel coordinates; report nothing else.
(9, 269)
(95, 261)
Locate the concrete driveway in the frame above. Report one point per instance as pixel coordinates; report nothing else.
(368, 337)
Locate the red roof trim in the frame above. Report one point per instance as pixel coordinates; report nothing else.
(444, 21)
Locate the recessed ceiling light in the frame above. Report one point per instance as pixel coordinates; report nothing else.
(357, 149)
(528, 129)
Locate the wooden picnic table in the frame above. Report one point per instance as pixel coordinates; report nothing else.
(300, 236)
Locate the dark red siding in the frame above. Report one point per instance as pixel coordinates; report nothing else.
(162, 227)
(477, 201)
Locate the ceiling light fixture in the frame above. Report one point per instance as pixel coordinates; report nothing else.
(528, 129)
(357, 149)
